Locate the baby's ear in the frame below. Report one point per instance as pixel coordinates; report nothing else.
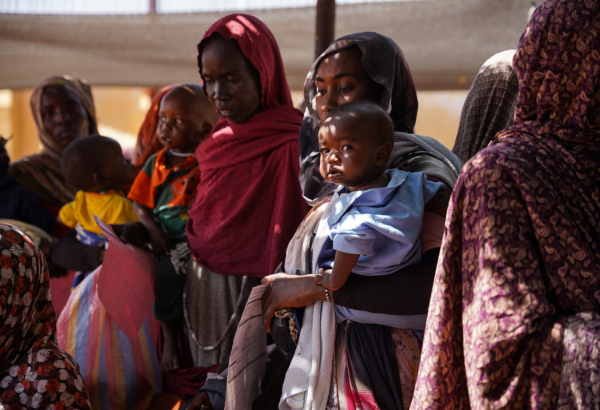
(98, 178)
(206, 128)
(383, 154)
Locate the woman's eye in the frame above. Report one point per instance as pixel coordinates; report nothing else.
(346, 147)
(162, 119)
(178, 121)
(345, 89)
(232, 80)
(320, 92)
(208, 81)
(324, 151)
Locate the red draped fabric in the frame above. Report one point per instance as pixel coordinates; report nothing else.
(249, 201)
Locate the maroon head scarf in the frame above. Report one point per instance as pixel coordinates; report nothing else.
(259, 46)
(147, 141)
(249, 201)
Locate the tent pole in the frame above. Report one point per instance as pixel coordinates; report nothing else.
(325, 29)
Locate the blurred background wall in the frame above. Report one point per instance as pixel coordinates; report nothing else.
(127, 49)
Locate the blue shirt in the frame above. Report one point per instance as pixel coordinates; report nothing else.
(383, 225)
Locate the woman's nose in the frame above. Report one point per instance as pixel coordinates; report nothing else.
(220, 90)
(60, 115)
(328, 102)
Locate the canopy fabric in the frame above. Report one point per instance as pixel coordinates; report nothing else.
(445, 41)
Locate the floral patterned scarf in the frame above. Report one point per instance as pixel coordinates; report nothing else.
(513, 319)
(34, 372)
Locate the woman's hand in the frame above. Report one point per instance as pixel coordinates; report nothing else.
(288, 291)
(160, 240)
(133, 233)
(200, 401)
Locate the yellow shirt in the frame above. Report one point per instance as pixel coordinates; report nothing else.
(111, 207)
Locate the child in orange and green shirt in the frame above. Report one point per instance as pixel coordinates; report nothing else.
(163, 192)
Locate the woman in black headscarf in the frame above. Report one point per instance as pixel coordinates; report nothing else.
(364, 66)
(489, 106)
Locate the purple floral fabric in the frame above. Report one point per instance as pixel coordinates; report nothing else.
(521, 251)
(580, 377)
(34, 372)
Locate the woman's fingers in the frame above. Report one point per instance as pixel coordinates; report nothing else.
(268, 312)
(270, 278)
(197, 402)
(132, 232)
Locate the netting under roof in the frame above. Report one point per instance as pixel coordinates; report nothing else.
(161, 6)
(445, 44)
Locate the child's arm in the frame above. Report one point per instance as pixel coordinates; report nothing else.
(66, 215)
(158, 238)
(342, 267)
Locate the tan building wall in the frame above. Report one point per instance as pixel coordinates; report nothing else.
(439, 114)
(121, 110)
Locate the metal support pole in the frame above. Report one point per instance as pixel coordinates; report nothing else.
(325, 30)
(152, 6)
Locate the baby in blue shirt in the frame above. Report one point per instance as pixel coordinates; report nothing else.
(376, 220)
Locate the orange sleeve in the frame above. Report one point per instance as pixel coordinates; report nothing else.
(142, 191)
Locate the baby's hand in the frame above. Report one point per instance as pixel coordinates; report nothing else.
(160, 241)
(323, 278)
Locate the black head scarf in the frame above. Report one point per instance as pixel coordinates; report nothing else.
(489, 106)
(384, 62)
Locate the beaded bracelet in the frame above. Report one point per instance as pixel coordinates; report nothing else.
(327, 295)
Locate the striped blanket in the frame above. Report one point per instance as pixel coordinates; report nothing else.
(118, 373)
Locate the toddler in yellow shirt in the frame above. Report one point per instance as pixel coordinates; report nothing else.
(95, 166)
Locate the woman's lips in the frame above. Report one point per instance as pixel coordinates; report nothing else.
(225, 112)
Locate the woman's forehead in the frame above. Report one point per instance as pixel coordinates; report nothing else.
(347, 61)
(54, 94)
(223, 52)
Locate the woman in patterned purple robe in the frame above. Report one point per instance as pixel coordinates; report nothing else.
(514, 317)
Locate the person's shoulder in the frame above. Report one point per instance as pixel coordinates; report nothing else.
(494, 157)
(501, 162)
(154, 160)
(17, 168)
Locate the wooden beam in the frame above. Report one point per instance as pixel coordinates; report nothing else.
(325, 30)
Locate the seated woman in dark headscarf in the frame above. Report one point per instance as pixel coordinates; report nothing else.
(63, 109)
(489, 106)
(514, 319)
(34, 372)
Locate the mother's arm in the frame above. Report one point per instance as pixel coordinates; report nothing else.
(72, 254)
(405, 292)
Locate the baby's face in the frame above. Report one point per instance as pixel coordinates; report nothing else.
(348, 155)
(118, 172)
(179, 124)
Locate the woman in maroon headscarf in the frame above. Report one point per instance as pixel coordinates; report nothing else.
(249, 201)
(514, 317)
